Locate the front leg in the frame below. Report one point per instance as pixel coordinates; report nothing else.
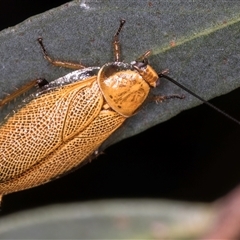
(159, 99)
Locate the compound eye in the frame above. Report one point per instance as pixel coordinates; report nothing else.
(140, 64)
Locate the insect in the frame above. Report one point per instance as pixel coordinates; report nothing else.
(66, 121)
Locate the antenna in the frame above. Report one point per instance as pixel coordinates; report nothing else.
(201, 99)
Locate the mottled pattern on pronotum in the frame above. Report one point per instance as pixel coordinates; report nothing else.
(66, 121)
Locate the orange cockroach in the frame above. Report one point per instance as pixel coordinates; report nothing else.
(67, 120)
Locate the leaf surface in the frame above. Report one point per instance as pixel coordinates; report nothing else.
(197, 41)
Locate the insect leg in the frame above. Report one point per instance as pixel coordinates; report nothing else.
(40, 82)
(159, 99)
(57, 62)
(144, 56)
(200, 98)
(116, 44)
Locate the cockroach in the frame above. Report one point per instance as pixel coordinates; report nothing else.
(65, 122)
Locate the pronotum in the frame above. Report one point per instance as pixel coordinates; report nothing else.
(65, 122)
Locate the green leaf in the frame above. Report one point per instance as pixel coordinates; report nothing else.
(116, 219)
(197, 41)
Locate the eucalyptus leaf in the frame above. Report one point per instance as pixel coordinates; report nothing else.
(116, 219)
(197, 41)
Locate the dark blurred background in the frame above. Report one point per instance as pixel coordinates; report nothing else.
(193, 156)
